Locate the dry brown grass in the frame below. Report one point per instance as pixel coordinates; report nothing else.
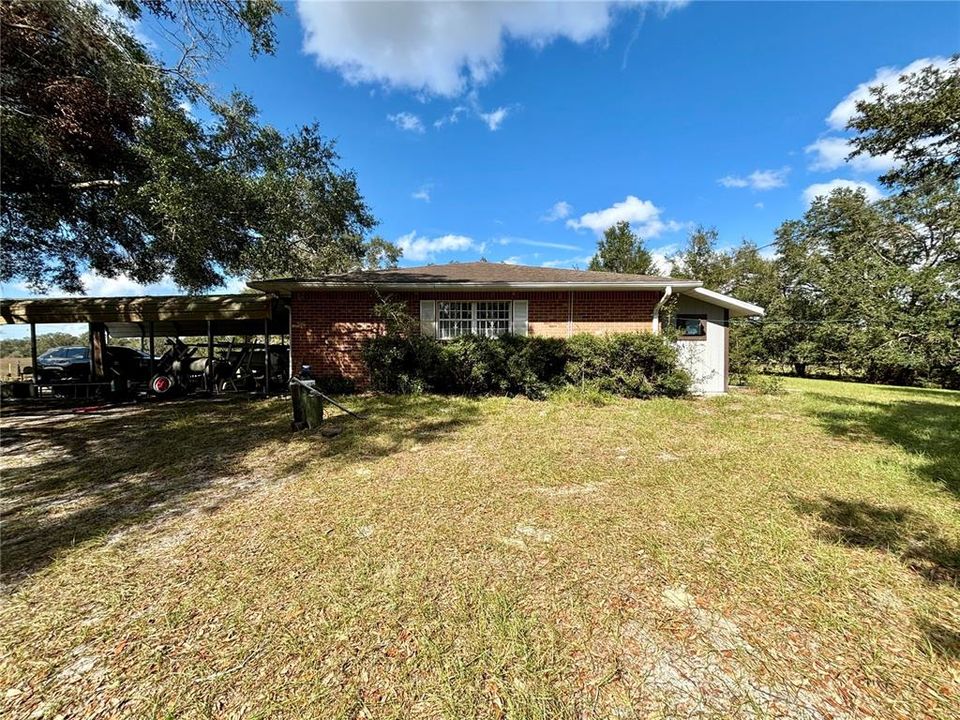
(746, 556)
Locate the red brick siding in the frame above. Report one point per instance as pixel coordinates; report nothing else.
(328, 328)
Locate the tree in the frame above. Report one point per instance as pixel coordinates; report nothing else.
(876, 286)
(622, 251)
(104, 166)
(919, 126)
(742, 272)
(700, 260)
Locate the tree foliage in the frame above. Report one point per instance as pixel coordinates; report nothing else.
(919, 126)
(622, 251)
(869, 288)
(873, 286)
(115, 162)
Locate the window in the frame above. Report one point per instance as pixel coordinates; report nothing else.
(488, 318)
(692, 327)
(493, 318)
(454, 319)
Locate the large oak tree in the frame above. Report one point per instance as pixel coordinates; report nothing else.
(118, 158)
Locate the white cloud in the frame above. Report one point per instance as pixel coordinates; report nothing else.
(422, 194)
(495, 118)
(96, 285)
(823, 189)
(757, 180)
(536, 243)
(831, 153)
(452, 118)
(406, 121)
(642, 215)
(99, 286)
(439, 48)
(758, 205)
(887, 76)
(512, 260)
(661, 261)
(574, 262)
(417, 247)
(559, 211)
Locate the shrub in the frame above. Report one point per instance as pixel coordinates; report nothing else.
(336, 385)
(629, 364)
(766, 384)
(401, 364)
(510, 365)
(585, 395)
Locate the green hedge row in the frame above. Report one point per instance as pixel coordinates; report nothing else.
(637, 365)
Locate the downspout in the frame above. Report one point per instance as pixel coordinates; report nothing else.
(667, 292)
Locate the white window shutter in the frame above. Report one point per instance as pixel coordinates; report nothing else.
(428, 318)
(520, 317)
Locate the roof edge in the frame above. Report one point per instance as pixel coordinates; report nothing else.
(285, 287)
(740, 308)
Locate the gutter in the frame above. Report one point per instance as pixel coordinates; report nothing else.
(667, 292)
(282, 287)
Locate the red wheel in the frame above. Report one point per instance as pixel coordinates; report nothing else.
(162, 385)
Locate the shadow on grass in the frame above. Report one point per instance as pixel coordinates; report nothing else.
(74, 477)
(903, 532)
(944, 641)
(928, 429)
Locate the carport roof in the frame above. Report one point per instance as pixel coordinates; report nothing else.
(186, 315)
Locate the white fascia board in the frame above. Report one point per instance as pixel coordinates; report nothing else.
(287, 287)
(737, 308)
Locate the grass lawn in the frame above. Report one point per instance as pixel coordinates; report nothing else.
(745, 556)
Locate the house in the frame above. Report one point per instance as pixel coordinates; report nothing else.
(331, 316)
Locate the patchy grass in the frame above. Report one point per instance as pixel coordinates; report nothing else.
(746, 556)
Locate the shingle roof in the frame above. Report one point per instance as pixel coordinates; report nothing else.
(485, 274)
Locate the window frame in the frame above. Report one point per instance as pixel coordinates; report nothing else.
(450, 322)
(702, 336)
(472, 321)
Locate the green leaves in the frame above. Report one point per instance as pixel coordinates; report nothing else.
(115, 163)
(874, 286)
(621, 251)
(919, 126)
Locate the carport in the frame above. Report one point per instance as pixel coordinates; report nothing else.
(147, 317)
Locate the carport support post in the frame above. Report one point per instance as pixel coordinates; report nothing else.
(34, 371)
(211, 370)
(97, 341)
(150, 329)
(266, 356)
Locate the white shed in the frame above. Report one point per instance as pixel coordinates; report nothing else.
(703, 319)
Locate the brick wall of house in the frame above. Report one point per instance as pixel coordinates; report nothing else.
(328, 328)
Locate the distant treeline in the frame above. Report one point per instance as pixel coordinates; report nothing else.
(20, 347)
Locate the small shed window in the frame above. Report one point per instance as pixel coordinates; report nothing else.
(692, 327)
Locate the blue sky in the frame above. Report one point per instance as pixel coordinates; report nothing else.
(517, 132)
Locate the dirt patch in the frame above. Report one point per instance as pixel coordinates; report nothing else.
(524, 535)
(687, 661)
